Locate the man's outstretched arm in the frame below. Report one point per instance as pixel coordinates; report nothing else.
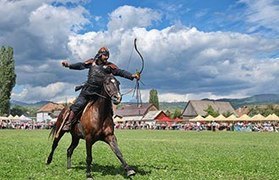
(125, 74)
(77, 66)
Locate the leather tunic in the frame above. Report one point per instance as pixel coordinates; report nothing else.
(97, 74)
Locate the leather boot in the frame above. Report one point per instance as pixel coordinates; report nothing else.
(69, 121)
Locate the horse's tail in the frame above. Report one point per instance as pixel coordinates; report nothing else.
(58, 122)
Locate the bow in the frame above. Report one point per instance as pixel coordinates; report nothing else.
(142, 60)
(137, 87)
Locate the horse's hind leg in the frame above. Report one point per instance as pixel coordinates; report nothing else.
(70, 150)
(89, 144)
(54, 145)
(112, 141)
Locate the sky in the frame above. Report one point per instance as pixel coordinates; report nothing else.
(192, 50)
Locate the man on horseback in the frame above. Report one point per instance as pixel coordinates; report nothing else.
(98, 67)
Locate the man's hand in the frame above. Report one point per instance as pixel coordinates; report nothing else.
(136, 75)
(65, 63)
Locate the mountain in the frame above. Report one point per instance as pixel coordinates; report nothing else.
(253, 100)
(259, 99)
(236, 103)
(172, 105)
(34, 105)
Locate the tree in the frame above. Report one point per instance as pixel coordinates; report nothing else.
(211, 111)
(227, 113)
(153, 98)
(176, 114)
(7, 78)
(23, 110)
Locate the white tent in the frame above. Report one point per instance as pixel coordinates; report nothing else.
(209, 118)
(4, 118)
(244, 117)
(197, 118)
(258, 117)
(232, 118)
(272, 117)
(11, 117)
(221, 117)
(24, 118)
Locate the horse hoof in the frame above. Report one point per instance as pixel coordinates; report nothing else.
(89, 177)
(48, 161)
(131, 172)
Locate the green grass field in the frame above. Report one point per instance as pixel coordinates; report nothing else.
(153, 154)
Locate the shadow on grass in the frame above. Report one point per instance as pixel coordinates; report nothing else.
(111, 170)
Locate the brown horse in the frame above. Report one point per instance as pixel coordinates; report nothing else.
(96, 124)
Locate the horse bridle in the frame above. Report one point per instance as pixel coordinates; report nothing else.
(107, 89)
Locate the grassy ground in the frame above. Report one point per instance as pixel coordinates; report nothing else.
(153, 154)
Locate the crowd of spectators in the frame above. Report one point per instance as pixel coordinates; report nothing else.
(206, 126)
(24, 125)
(189, 126)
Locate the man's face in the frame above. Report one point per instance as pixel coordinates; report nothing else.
(104, 58)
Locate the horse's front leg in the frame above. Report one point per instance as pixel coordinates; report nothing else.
(89, 144)
(54, 146)
(112, 141)
(70, 150)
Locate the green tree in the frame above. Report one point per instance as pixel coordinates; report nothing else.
(23, 110)
(7, 78)
(153, 98)
(211, 111)
(176, 114)
(227, 114)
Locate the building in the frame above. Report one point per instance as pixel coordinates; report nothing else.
(132, 114)
(153, 117)
(198, 107)
(49, 111)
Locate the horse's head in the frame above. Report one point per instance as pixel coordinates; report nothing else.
(111, 86)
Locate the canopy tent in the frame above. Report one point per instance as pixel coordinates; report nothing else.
(4, 118)
(258, 117)
(11, 116)
(197, 118)
(24, 118)
(272, 117)
(232, 118)
(221, 117)
(244, 117)
(209, 118)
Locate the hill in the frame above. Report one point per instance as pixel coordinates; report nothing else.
(253, 100)
(259, 99)
(33, 105)
(172, 105)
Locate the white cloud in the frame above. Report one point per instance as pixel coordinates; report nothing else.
(180, 62)
(182, 59)
(127, 17)
(263, 13)
(38, 93)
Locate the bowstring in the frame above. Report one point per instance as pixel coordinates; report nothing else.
(136, 90)
(130, 57)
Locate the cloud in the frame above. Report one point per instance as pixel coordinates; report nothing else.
(127, 17)
(262, 14)
(39, 31)
(40, 93)
(187, 60)
(180, 62)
